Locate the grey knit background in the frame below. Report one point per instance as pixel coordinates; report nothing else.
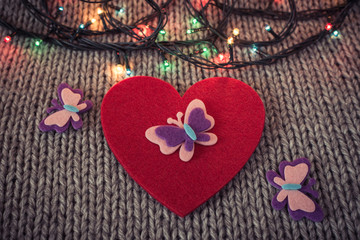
(70, 186)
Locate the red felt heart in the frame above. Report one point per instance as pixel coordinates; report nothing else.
(135, 104)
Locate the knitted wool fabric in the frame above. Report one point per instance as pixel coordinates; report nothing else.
(70, 186)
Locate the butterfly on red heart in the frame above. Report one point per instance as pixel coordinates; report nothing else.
(184, 135)
(294, 192)
(67, 112)
(138, 103)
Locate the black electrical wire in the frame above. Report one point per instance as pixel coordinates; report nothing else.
(215, 34)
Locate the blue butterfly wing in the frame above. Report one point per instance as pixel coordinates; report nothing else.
(197, 120)
(172, 135)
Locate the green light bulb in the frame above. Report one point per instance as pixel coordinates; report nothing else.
(38, 42)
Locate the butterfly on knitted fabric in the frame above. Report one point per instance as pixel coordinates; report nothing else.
(67, 112)
(294, 192)
(184, 135)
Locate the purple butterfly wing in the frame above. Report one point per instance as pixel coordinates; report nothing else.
(202, 137)
(270, 175)
(189, 144)
(68, 95)
(315, 216)
(197, 120)
(172, 135)
(276, 204)
(169, 138)
(197, 117)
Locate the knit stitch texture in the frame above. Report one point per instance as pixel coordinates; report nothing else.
(70, 186)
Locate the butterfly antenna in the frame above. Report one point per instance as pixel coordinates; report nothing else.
(179, 115)
(307, 188)
(178, 122)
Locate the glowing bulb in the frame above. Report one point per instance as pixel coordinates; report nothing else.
(38, 42)
(205, 49)
(162, 32)
(100, 11)
(120, 11)
(189, 31)
(236, 31)
(221, 58)
(267, 28)
(328, 26)
(166, 63)
(230, 40)
(335, 34)
(7, 39)
(143, 30)
(194, 21)
(120, 69)
(128, 72)
(254, 49)
(82, 26)
(200, 4)
(93, 20)
(61, 9)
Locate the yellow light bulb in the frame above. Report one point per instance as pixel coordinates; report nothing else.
(93, 20)
(230, 41)
(99, 11)
(236, 31)
(120, 69)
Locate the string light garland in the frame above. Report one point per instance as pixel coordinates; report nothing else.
(144, 34)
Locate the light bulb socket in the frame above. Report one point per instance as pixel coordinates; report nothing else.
(271, 31)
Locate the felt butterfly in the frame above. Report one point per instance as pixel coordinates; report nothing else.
(68, 111)
(184, 135)
(294, 192)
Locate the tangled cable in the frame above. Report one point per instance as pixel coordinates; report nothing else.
(144, 36)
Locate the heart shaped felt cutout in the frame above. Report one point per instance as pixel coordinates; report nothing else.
(132, 106)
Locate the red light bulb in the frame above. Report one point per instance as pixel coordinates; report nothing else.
(222, 58)
(200, 4)
(143, 30)
(328, 26)
(7, 39)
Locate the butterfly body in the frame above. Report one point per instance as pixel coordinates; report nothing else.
(67, 111)
(184, 135)
(71, 108)
(291, 186)
(190, 132)
(293, 191)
